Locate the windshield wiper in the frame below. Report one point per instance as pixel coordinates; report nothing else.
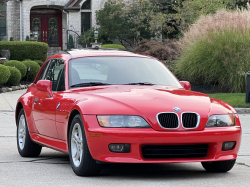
(86, 84)
(140, 83)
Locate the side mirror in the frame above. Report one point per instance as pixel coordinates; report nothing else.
(45, 86)
(186, 85)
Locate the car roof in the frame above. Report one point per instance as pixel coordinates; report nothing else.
(100, 52)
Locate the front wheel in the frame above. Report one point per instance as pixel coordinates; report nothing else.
(26, 147)
(219, 166)
(80, 158)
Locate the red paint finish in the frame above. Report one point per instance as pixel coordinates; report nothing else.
(49, 125)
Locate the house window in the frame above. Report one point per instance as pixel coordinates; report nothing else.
(86, 21)
(86, 5)
(2, 21)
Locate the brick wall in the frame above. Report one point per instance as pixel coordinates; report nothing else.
(13, 16)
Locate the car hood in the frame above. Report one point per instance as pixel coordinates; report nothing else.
(147, 102)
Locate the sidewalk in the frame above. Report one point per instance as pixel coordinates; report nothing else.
(8, 100)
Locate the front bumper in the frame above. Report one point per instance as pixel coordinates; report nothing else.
(99, 138)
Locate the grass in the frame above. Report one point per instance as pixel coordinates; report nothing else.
(237, 100)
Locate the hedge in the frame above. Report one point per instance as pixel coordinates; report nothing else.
(40, 63)
(17, 64)
(26, 50)
(15, 76)
(115, 46)
(34, 68)
(4, 74)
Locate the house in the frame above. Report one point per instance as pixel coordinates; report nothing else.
(50, 18)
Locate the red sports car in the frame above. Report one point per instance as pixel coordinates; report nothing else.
(120, 107)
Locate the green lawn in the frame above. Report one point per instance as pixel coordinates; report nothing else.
(237, 100)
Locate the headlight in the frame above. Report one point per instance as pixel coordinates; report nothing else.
(221, 120)
(122, 121)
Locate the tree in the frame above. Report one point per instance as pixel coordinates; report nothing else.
(130, 22)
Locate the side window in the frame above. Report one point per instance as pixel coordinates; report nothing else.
(42, 72)
(56, 74)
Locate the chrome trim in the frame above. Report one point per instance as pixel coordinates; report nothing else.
(198, 120)
(168, 113)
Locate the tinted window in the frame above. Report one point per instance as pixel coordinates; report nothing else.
(41, 75)
(56, 74)
(120, 70)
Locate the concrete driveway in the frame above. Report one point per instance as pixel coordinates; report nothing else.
(52, 168)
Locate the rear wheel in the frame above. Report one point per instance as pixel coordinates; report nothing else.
(80, 158)
(25, 146)
(218, 166)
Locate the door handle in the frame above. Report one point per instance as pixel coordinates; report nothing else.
(36, 100)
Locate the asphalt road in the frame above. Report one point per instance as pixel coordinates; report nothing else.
(52, 168)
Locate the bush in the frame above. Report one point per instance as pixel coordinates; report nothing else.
(40, 63)
(17, 64)
(27, 38)
(115, 46)
(34, 68)
(162, 51)
(216, 50)
(11, 39)
(26, 50)
(71, 42)
(4, 74)
(15, 76)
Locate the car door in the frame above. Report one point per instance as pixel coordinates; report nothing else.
(44, 107)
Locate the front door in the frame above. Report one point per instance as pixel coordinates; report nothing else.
(48, 23)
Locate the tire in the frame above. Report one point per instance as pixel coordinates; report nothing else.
(26, 147)
(218, 166)
(81, 160)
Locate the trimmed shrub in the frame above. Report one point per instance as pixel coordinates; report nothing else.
(71, 42)
(26, 50)
(17, 64)
(40, 63)
(27, 38)
(15, 76)
(162, 51)
(11, 39)
(216, 50)
(34, 68)
(115, 46)
(4, 74)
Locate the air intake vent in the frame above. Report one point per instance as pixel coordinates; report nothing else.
(190, 120)
(174, 151)
(168, 120)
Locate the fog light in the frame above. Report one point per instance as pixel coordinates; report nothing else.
(228, 146)
(119, 148)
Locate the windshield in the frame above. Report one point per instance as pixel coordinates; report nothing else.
(95, 71)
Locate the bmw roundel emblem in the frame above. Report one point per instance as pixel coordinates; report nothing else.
(176, 109)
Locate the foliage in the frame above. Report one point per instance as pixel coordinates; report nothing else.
(71, 42)
(11, 39)
(40, 63)
(19, 65)
(34, 68)
(27, 38)
(162, 51)
(115, 46)
(15, 76)
(4, 74)
(129, 22)
(234, 99)
(216, 50)
(89, 37)
(26, 50)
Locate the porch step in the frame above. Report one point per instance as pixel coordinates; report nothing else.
(53, 50)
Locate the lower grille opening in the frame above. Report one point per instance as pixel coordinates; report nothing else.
(174, 151)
